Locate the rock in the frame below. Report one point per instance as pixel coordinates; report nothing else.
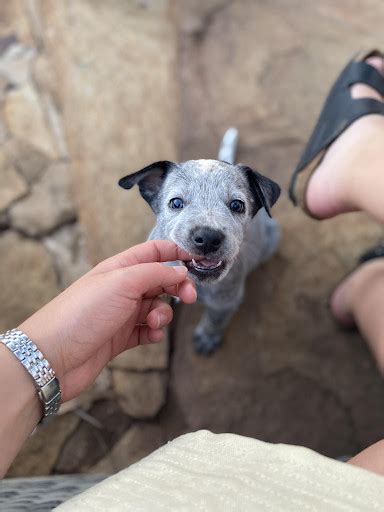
(100, 389)
(67, 246)
(140, 440)
(15, 63)
(6, 42)
(47, 81)
(27, 159)
(38, 31)
(103, 145)
(55, 124)
(25, 119)
(44, 75)
(14, 22)
(3, 129)
(143, 357)
(39, 454)
(48, 205)
(88, 443)
(13, 186)
(141, 395)
(27, 278)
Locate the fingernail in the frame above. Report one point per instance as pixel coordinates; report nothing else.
(181, 269)
(162, 319)
(194, 293)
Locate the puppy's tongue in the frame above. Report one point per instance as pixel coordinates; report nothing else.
(206, 263)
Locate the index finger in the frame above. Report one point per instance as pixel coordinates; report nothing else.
(148, 252)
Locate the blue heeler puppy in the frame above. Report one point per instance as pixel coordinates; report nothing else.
(218, 212)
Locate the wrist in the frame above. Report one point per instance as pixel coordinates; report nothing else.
(37, 366)
(21, 407)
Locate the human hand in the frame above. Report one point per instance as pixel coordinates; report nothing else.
(112, 308)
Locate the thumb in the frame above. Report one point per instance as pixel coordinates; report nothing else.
(142, 278)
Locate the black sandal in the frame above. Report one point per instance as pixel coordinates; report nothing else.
(372, 254)
(339, 112)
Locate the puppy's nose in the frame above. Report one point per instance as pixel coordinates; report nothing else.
(207, 239)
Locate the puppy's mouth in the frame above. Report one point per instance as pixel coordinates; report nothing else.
(206, 267)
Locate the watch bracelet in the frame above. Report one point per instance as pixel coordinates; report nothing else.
(37, 366)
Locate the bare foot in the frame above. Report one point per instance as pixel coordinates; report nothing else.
(372, 458)
(334, 185)
(345, 298)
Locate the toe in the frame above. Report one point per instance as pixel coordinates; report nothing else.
(365, 91)
(339, 305)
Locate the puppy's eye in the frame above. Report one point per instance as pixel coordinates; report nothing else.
(237, 206)
(176, 203)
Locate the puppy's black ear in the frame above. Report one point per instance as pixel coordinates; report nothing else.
(265, 191)
(150, 180)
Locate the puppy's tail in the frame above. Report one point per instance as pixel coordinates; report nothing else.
(228, 146)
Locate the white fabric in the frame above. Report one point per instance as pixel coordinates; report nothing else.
(225, 472)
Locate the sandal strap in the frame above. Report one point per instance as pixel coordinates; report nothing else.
(329, 127)
(362, 72)
(365, 106)
(373, 253)
(340, 111)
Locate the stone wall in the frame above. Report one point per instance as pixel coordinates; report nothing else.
(41, 246)
(85, 89)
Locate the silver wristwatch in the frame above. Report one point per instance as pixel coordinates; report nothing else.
(48, 387)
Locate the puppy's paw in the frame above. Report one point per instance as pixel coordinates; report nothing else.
(205, 344)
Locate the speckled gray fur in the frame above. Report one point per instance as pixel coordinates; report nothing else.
(207, 187)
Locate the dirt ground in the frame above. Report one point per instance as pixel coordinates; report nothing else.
(287, 373)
